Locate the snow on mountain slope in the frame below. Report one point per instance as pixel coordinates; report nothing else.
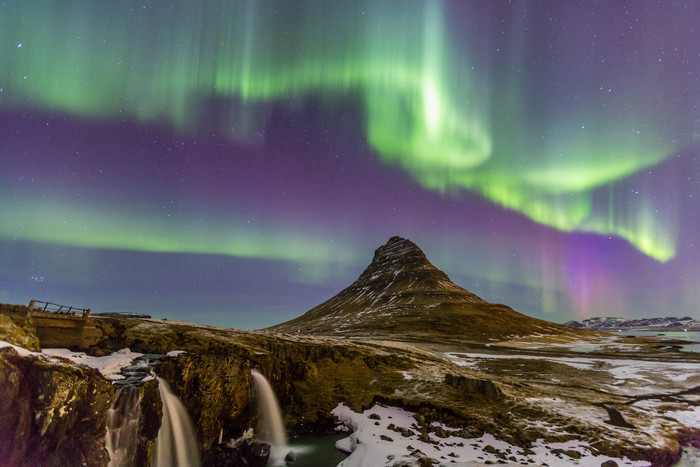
(403, 296)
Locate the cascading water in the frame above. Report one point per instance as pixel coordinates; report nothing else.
(176, 443)
(122, 426)
(272, 427)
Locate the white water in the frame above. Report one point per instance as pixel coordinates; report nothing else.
(176, 444)
(272, 430)
(122, 426)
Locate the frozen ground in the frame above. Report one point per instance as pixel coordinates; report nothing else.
(627, 377)
(20, 350)
(109, 365)
(653, 396)
(606, 390)
(381, 437)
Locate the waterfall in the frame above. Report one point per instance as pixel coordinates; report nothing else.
(122, 426)
(176, 444)
(273, 428)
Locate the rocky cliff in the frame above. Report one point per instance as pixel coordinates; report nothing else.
(213, 376)
(52, 412)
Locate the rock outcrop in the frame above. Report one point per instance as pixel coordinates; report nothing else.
(474, 387)
(16, 327)
(215, 389)
(52, 412)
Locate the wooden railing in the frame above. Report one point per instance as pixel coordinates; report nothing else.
(38, 305)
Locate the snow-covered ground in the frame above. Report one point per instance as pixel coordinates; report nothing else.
(612, 343)
(689, 418)
(630, 377)
(374, 443)
(565, 342)
(20, 350)
(619, 376)
(109, 365)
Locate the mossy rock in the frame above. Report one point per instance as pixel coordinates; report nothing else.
(18, 330)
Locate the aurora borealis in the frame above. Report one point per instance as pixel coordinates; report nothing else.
(237, 162)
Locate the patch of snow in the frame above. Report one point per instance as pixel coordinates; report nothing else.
(20, 350)
(545, 400)
(406, 374)
(550, 427)
(460, 361)
(689, 418)
(175, 353)
(599, 344)
(109, 365)
(444, 427)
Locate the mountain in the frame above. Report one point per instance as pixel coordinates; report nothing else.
(643, 324)
(401, 295)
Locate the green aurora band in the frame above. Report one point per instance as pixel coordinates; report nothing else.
(57, 223)
(451, 125)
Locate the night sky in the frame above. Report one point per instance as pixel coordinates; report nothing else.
(237, 163)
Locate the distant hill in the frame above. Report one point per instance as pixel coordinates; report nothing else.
(401, 295)
(643, 324)
(122, 314)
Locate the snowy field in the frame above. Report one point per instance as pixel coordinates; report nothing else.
(379, 438)
(629, 377)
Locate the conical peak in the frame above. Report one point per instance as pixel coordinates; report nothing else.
(395, 256)
(399, 249)
(402, 296)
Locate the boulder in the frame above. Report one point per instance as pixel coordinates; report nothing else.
(244, 454)
(480, 387)
(290, 457)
